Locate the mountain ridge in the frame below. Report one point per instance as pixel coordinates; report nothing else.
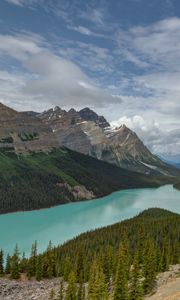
(83, 131)
(90, 134)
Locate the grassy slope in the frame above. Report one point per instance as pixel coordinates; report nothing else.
(32, 182)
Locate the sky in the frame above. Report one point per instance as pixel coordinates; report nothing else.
(119, 57)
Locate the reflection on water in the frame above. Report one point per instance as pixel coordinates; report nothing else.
(63, 222)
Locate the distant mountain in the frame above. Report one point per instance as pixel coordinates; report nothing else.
(37, 170)
(83, 131)
(90, 134)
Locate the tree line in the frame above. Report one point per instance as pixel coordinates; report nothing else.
(118, 262)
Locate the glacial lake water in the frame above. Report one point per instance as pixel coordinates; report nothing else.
(64, 222)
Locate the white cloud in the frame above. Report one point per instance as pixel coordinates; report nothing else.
(159, 141)
(50, 78)
(86, 31)
(82, 30)
(20, 2)
(153, 93)
(20, 46)
(158, 43)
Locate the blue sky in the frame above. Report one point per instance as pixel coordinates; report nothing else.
(120, 57)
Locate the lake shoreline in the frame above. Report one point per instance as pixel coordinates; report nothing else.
(84, 200)
(64, 222)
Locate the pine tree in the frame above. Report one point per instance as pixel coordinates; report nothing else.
(79, 265)
(49, 262)
(33, 259)
(136, 292)
(23, 264)
(122, 273)
(15, 271)
(71, 292)
(164, 262)
(8, 264)
(149, 267)
(1, 262)
(39, 268)
(97, 288)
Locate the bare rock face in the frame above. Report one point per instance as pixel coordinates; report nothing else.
(90, 134)
(27, 290)
(89, 115)
(21, 133)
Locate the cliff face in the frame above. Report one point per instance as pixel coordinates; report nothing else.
(89, 115)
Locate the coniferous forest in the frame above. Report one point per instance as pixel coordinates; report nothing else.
(117, 262)
(43, 180)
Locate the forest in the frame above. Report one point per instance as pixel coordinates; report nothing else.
(118, 262)
(41, 180)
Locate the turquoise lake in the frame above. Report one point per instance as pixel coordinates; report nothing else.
(64, 222)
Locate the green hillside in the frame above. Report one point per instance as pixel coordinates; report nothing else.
(42, 180)
(117, 262)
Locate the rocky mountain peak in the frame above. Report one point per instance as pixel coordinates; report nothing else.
(88, 114)
(72, 111)
(57, 108)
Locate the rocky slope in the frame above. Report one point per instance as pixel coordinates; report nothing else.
(90, 134)
(27, 290)
(168, 287)
(23, 132)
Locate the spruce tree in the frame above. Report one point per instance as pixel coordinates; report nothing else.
(39, 268)
(149, 267)
(97, 287)
(71, 292)
(23, 264)
(49, 262)
(136, 292)
(33, 260)
(8, 264)
(15, 270)
(122, 273)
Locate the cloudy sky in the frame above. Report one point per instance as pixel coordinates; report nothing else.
(121, 58)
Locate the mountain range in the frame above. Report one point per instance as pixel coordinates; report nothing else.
(83, 131)
(62, 156)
